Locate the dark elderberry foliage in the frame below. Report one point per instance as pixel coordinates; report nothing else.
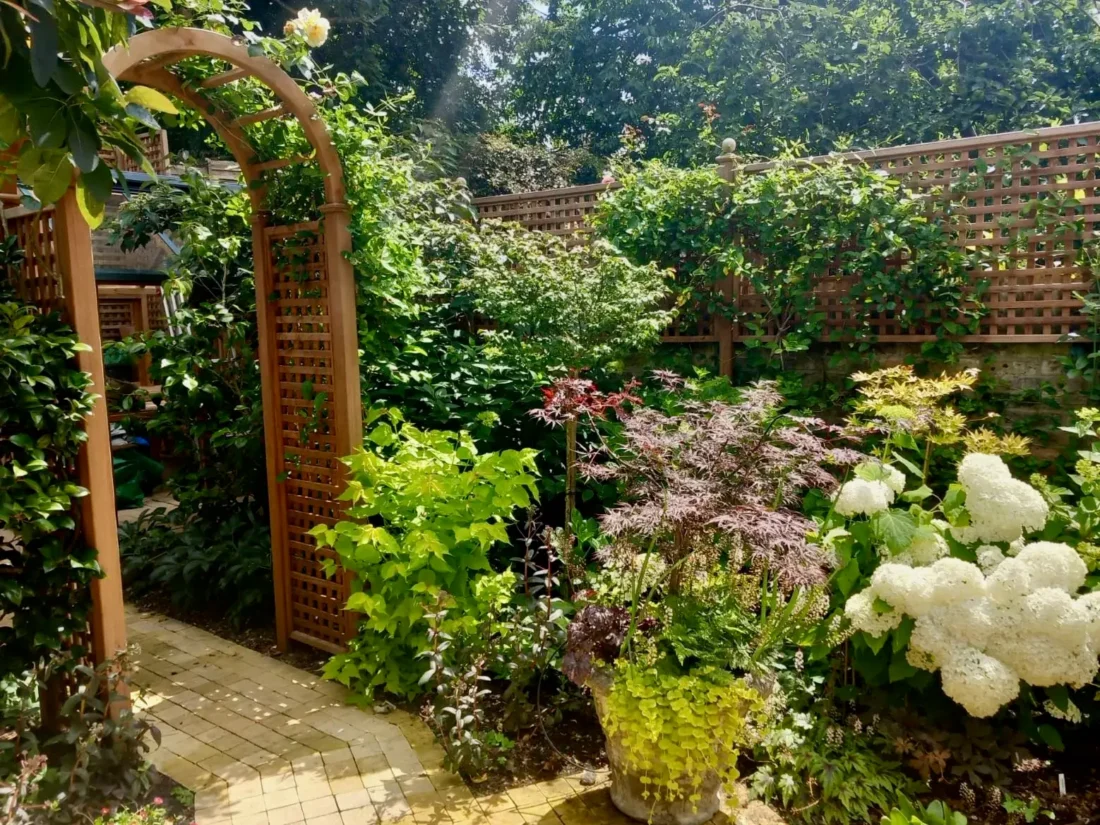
(595, 635)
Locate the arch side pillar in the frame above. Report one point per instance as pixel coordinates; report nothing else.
(348, 412)
(273, 447)
(99, 521)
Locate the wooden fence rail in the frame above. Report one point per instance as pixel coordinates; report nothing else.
(984, 189)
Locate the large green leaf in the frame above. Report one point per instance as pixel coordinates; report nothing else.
(895, 529)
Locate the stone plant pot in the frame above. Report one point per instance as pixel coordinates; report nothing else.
(627, 790)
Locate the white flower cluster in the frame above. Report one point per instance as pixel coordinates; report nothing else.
(986, 632)
(871, 491)
(310, 25)
(1000, 507)
(928, 546)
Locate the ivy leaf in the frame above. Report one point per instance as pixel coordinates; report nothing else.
(895, 528)
(93, 210)
(1050, 736)
(150, 99)
(142, 115)
(11, 122)
(847, 577)
(99, 182)
(918, 495)
(84, 144)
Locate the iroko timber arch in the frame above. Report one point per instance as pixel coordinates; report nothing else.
(305, 299)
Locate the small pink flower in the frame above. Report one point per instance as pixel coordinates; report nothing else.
(104, 810)
(158, 800)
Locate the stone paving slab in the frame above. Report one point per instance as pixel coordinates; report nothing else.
(263, 743)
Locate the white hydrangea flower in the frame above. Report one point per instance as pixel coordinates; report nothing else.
(858, 497)
(860, 609)
(989, 557)
(955, 580)
(893, 478)
(927, 547)
(1001, 508)
(1052, 564)
(978, 682)
(985, 632)
(908, 589)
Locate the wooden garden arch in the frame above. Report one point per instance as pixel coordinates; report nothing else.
(305, 298)
(306, 316)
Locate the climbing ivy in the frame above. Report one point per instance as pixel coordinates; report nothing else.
(782, 232)
(45, 567)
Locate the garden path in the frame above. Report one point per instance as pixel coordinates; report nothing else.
(264, 743)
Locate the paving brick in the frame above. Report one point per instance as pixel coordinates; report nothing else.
(286, 815)
(353, 799)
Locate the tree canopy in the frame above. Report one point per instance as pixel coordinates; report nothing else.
(831, 74)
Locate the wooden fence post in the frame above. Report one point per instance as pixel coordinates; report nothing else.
(728, 169)
(99, 521)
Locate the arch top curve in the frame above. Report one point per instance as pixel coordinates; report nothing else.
(147, 59)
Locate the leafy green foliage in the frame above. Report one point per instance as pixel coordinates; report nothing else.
(820, 771)
(43, 403)
(571, 308)
(494, 163)
(782, 231)
(934, 813)
(210, 224)
(834, 74)
(677, 728)
(96, 760)
(55, 91)
(201, 561)
(426, 509)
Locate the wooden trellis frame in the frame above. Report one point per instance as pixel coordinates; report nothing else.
(305, 297)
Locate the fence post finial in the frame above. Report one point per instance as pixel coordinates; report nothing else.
(728, 162)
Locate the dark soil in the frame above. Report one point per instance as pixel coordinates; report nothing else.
(258, 637)
(1038, 779)
(573, 743)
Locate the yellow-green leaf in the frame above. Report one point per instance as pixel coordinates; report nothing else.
(151, 99)
(92, 209)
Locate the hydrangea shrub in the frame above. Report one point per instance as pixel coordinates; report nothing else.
(1013, 616)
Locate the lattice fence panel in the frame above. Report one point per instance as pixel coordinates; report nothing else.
(562, 212)
(36, 278)
(155, 147)
(984, 189)
(308, 463)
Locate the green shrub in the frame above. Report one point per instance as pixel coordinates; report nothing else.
(425, 510)
(201, 561)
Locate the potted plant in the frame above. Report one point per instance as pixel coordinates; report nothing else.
(707, 583)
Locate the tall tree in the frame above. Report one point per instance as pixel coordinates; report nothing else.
(830, 73)
(435, 49)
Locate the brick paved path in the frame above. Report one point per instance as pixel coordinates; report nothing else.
(264, 743)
